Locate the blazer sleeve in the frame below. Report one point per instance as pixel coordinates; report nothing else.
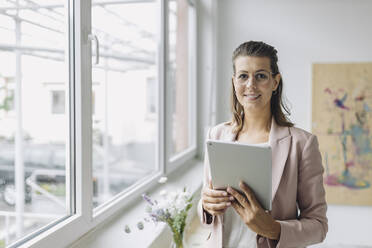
(312, 225)
(205, 218)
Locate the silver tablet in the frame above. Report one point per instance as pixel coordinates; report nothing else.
(231, 162)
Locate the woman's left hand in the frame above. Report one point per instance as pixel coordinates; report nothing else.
(252, 214)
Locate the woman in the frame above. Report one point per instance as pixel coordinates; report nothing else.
(298, 216)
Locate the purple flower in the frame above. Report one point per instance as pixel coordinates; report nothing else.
(154, 217)
(167, 215)
(147, 199)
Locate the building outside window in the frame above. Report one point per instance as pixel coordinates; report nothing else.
(58, 101)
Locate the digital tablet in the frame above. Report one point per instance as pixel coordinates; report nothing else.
(231, 162)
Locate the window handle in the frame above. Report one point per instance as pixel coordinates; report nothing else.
(92, 37)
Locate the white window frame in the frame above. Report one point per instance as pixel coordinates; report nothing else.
(174, 162)
(84, 218)
(122, 199)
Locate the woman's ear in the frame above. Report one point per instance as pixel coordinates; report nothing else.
(276, 81)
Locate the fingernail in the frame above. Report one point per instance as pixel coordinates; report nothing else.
(231, 198)
(224, 193)
(228, 204)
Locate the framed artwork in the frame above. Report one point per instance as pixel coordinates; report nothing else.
(342, 121)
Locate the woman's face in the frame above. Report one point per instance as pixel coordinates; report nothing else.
(254, 83)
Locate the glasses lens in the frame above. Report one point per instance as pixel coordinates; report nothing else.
(259, 77)
(241, 78)
(262, 77)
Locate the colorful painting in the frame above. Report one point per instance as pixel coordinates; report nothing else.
(342, 121)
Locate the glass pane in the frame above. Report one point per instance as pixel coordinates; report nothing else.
(179, 77)
(34, 128)
(125, 89)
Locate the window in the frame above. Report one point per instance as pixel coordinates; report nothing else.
(151, 98)
(34, 160)
(181, 77)
(7, 94)
(97, 98)
(127, 59)
(58, 101)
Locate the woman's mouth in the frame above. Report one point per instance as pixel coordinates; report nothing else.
(252, 97)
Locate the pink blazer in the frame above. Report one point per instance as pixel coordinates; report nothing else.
(298, 196)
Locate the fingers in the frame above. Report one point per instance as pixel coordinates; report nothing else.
(239, 209)
(210, 184)
(240, 198)
(249, 194)
(215, 202)
(217, 199)
(216, 208)
(214, 193)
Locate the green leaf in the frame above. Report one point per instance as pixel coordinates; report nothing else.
(188, 207)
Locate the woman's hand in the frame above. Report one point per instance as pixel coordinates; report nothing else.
(253, 215)
(215, 202)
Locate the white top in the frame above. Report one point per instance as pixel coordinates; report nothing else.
(236, 234)
(258, 144)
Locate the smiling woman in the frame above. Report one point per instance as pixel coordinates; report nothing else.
(263, 62)
(253, 82)
(237, 219)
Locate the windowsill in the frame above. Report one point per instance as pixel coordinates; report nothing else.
(111, 232)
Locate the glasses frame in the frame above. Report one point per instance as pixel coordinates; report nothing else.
(247, 80)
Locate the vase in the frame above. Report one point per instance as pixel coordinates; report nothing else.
(177, 241)
(177, 245)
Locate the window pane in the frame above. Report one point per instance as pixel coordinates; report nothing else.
(179, 76)
(33, 139)
(58, 102)
(125, 86)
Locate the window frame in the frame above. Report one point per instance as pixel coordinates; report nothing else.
(79, 186)
(174, 162)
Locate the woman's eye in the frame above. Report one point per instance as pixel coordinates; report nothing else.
(243, 76)
(261, 76)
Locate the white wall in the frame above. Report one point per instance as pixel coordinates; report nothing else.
(304, 32)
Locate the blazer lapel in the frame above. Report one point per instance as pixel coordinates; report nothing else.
(280, 142)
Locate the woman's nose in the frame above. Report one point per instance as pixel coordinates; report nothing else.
(250, 82)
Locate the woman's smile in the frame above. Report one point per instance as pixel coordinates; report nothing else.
(252, 97)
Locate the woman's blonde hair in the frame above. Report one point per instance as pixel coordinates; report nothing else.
(259, 49)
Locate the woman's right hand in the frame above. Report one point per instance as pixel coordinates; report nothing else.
(215, 202)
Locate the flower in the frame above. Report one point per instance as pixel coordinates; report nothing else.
(140, 225)
(162, 180)
(127, 229)
(147, 199)
(163, 192)
(171, 208)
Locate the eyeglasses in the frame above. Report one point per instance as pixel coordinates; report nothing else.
(260, 77)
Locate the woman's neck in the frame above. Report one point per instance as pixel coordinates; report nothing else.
(257, 122)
